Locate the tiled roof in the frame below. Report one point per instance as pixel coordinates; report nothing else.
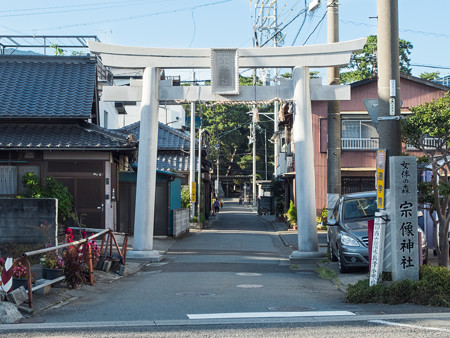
(168, 137)
(173, 162)
(60, 136)
(46, 86)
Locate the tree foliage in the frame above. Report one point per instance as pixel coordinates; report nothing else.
(228, 132)
(431, 121)
(51, 189)
(429, 76)
(364, 65)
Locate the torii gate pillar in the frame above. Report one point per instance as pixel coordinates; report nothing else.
(146, 176)
(304, 167)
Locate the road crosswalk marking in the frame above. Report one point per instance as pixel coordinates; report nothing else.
(269, 314)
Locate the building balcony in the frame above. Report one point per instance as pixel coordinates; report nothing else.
(430, 142)
(359, 143)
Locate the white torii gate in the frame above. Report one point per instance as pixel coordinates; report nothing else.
(225, 64)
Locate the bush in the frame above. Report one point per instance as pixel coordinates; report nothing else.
(55, 189)
(433, 288)
(292, 213)
(185, 197)
(52, 189)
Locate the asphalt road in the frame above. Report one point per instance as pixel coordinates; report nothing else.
(231, 279)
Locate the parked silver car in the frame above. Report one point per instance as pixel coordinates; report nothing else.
(347, 231)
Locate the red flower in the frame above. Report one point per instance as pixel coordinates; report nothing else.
(69, 236)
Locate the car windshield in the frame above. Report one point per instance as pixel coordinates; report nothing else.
(364, 207)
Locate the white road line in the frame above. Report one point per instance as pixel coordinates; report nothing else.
(385, 322)
(268, 314)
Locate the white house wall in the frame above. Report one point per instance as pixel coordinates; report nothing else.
(172, 115)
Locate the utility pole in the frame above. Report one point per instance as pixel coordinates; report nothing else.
(388, 81)
(192, 160)
(334, 115)
(199, 175)
(217, 180)
(253, 138)
(265, 149)
(276, 144)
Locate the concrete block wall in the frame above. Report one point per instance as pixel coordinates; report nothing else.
(180, 222)
(28, 220)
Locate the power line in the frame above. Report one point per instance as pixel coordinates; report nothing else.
(430, 66)
(71, 6)
(438, 35)
(301, 26)
(124, 4)
(138, 16)
(323, 17)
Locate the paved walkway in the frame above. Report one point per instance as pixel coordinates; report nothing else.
(211, 253)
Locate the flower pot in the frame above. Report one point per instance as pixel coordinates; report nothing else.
(18, 282)
(100, 262)
(48, 273)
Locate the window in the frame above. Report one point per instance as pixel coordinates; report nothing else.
(359, 135)
(8, 180)
(11, 178)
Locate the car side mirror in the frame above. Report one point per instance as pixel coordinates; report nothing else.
(331, 222)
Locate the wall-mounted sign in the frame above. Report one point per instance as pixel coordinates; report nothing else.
(381, 168)
(224, 71)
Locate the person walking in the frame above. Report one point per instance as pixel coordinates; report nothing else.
(216, 206)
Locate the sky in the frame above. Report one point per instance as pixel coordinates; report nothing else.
(227, 23)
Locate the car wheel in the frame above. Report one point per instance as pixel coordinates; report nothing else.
(330, 252)
(341, 265)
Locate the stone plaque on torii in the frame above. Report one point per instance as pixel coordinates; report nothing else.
(225, 64)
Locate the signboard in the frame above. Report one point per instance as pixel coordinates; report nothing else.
(194, 192)
(224, 71)
(376, 262)
(381, 167)
(403, 204)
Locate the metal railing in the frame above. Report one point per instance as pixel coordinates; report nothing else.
(429, 142)
(110, 238)
(359, 143)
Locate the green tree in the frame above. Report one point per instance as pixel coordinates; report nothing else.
(228, 130)
(429, 76)
(363, 65)
(432, 120)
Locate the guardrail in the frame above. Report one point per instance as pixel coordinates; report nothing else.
(109, 242)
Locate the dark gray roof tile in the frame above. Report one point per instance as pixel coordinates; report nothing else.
(46, 86)
(53, 136)
(168, 137)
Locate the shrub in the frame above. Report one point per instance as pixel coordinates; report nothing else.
(55, 189)
(185, 197)
(73, 267)
(433, 288)
(52, 189)
(292, 213)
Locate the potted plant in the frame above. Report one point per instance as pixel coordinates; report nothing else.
(20, 276)
(52, 265)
